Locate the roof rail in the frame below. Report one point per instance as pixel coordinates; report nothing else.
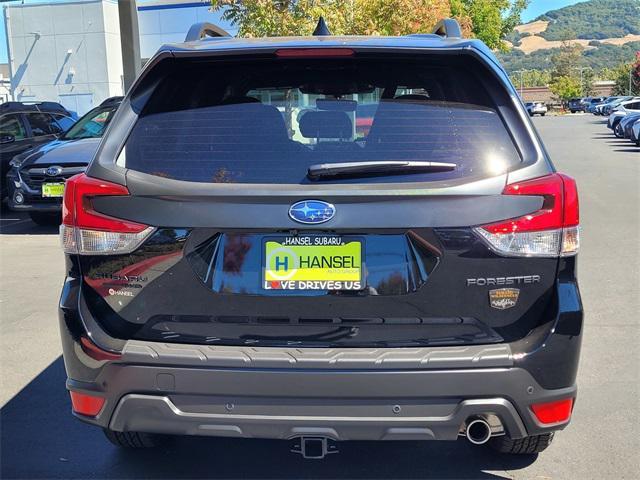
(198, 31)
(448, 28)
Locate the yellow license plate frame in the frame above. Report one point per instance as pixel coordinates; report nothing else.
(313, 263)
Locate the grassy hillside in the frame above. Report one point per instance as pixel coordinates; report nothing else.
(605, 56)
(595, 20)
(599, 26)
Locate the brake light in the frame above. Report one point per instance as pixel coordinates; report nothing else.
(85, 231)
(551, 231)
(84, 404)
(314, 52)
(551, 413)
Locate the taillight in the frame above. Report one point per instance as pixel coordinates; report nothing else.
(551, 231)
(87, 232)
(95, 352)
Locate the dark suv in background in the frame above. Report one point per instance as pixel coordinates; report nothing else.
(26, 125)
(36, 180)
(237, 268)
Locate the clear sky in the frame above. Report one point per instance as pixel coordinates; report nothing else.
(536, 7)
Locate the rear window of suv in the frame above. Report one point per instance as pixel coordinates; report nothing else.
(268, 121)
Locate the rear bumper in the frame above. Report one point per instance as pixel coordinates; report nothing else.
(343, 405)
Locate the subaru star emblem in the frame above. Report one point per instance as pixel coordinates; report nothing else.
(53, 171)
(312, 211)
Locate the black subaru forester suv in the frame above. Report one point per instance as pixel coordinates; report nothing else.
(243, 262)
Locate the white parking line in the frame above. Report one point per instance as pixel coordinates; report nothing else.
(17, 221)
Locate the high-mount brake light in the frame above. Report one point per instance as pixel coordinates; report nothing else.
(314, 52)
(549, 232)
(85, 231)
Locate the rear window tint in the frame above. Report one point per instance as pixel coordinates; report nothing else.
(268, 121)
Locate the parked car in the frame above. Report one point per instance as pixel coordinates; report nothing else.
(621, 110)
(593, 102)
(576, 105)
(37, 177)
(25, 125)
(623, 129)
(224, 279)
(635, 133)
(613, 106)
(536, 108)
(601, 108)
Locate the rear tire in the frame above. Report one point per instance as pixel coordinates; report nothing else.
(542, 114)
(134, 439)
(45, 219)
(522, 446)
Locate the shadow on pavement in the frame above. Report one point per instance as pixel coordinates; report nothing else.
(19, 223)
(40, 439)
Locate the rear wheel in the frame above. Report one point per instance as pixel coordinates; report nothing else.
(522, 446)
(134, 439)
(45, 218)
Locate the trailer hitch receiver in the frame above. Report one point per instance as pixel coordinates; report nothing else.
(314, 448)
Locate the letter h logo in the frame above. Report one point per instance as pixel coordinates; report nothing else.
(284, 262)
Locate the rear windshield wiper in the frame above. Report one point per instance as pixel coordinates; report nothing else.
(388, 167)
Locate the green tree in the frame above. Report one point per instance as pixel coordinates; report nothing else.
(635, 75)
(491, 20)
(627, 78)
(264, 18)
(565, 88)
(566, 60)
(531, 78)
(587, 83)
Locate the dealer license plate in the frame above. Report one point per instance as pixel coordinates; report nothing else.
(313, 262)
(52, 189)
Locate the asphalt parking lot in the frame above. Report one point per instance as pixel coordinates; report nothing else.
(40, 439)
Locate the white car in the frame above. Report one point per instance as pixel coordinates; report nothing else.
(629, 106)
(536, 108)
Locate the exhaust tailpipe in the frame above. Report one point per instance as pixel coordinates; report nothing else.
(478, 431)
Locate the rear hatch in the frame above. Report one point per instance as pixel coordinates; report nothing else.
(256, 212)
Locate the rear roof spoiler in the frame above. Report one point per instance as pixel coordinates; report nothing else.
(448, 28)
(198, 31)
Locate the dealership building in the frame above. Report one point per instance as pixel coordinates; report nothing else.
(70, 51)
